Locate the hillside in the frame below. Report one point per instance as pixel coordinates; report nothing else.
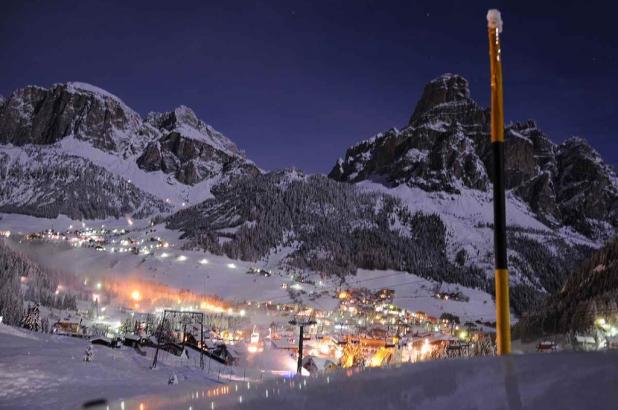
(589, 293)
(311, 222)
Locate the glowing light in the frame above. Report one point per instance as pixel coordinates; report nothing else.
(203, 261)
(242, 312)
(164, 255)
(135, 295)
(425, 348)
(231, 266)
(181, 258)
(99, 285)
(343, 295)
(129, 221)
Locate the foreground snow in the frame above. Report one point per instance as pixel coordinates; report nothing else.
(534, 381)
(42, 371)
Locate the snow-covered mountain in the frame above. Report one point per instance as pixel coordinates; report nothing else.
(416, 200)
(562, 200)
(289, 219)
(78, 150)
(446, 148)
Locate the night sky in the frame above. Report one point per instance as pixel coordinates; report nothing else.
(294, 83)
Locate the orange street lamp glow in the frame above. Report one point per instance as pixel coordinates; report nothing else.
(135, 295)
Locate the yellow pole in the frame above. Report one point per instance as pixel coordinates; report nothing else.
(503, 325)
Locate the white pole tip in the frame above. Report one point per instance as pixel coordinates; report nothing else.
(494, 20)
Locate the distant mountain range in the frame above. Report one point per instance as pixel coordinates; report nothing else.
(416, 199)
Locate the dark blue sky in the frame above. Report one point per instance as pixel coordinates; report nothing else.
(294, 83)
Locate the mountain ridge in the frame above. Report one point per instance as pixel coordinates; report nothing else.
(445, 147)
(160, 157)
(416, 199)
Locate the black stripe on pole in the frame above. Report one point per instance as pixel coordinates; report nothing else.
(499, 205)
(299, 366)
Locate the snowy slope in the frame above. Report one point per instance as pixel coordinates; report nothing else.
(205, 273)
(532, 381)
(42, 371)
(468, 216)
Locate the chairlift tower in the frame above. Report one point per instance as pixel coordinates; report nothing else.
(301, 324)
(185, 317)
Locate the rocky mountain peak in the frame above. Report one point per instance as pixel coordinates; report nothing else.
(190, 149)
(183, 121)
(447, 88)
(78, 87)
(170, 120)
(446, 147)
(43, 116)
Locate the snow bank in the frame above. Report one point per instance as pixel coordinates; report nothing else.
(534, 381)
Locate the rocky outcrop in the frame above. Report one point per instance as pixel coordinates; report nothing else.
(586, 189)
(441, 149)
(538, 192)
(40, 116)
(95, 132)
(446, 98)
(446, 147)
(184, 121)
(191, 150)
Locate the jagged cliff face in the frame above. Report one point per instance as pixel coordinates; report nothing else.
(190, 149)
(40, 116)
(76, 142)
(446, 147)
